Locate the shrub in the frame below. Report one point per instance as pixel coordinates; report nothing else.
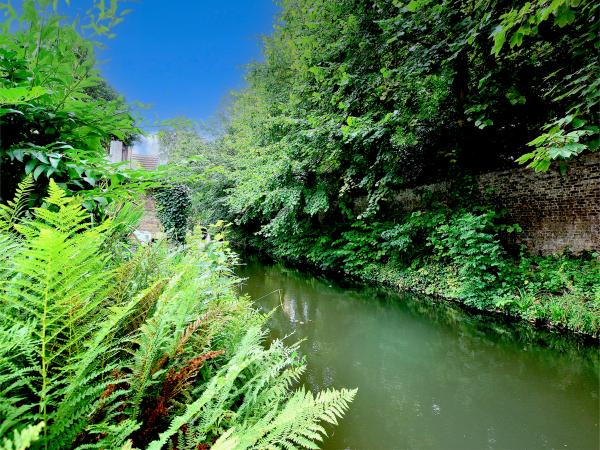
(468, 242)
(408, 240)
(57, 116)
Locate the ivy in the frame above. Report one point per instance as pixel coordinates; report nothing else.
(173, 210)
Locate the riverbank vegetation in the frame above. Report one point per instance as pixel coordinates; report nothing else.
(107, 346)
(358, 99)
(105, 343)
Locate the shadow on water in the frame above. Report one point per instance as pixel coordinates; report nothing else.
(431, 375)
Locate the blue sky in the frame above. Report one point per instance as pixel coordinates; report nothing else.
(182, 57)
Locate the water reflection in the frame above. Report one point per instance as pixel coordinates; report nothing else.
(430, 375)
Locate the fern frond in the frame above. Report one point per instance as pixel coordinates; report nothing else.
(168, 355)
(21, 440)
(15, 380)
(112, 436)
(56, 294)
(9, 246)
(14, 209)
(211, 403)
(296, 424)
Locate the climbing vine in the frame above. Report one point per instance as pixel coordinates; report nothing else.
(173, 210)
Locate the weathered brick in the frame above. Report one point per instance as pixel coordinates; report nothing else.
(557, 213)
(149, 220)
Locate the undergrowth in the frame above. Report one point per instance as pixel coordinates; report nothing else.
(107, 346)
(457, 254)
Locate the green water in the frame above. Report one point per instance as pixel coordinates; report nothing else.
(429, 375)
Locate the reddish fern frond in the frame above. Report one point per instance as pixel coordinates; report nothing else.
(192, 328)
(175, 382)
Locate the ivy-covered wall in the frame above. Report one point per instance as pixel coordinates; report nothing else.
(556, 212)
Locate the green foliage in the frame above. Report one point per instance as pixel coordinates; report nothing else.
(576, 85)
(358, 99)
(410, 239)
(180, 141)
(467, 241)
(23, 439)
(173, 210)
(13, 209)
(57, 115)
(151, 350)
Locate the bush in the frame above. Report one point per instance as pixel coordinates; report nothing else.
(455, 254)
(467, 242)
(57, 117)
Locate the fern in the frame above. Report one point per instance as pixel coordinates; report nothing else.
(152, 352)
(14, 209)
(56, 295)
(266, 418)
(295, 424)
(216, 394)
(16, 345)
(23, 439)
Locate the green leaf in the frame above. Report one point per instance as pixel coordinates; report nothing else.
(516, 39)
(30, 165)
(564, 16)
(55, 161)
(4, 111)
(19, 95)
(41, 157)
(415, 5)
(38, 171)
(101, 201)
(499, 35)
(18, 154)
(542, 165)
(89, 205)
(524, 158)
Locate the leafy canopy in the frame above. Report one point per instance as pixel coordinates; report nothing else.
(57, 115)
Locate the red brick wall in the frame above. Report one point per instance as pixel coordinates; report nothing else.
(556, 212)
(150, 221)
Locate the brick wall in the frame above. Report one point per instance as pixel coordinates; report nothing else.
(150, 221)
(557, 213)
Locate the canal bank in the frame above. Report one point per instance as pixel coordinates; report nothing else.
(576, 312)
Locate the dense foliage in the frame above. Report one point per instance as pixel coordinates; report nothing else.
(57, 115)
(356, 99)
(104, 344)
(173, 210)
(179, 140)
(101, 348)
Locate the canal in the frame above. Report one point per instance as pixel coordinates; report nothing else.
(430, 375)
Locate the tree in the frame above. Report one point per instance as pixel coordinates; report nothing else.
(179, 140)
(57, 114)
